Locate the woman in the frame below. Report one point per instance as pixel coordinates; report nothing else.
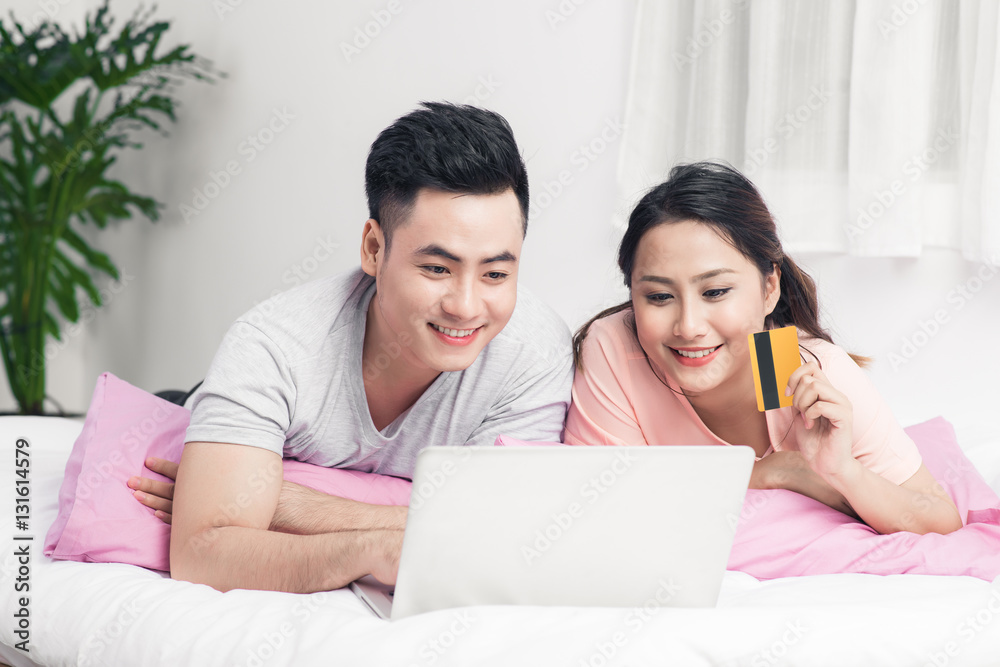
(705, 268)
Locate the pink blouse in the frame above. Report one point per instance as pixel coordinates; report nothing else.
(617, 400)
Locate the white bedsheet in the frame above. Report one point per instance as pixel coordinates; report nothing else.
(108, 614)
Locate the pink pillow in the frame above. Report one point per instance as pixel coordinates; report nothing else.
(784, 534)
(100, 521)
(815, 539)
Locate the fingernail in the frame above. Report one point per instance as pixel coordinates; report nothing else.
(139, 495)
(133, 482)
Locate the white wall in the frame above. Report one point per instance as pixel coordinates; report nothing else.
(559, 84)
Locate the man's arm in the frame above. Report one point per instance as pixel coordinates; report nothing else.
(300, 510)
(224, 502)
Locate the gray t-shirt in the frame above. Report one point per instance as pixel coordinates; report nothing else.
(288, 378)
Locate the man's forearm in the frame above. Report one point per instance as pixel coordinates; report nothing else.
(229, 557)
(304, 511)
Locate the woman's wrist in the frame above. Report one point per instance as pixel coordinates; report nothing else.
(844, 478)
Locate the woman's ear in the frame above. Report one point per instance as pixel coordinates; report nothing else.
(372, 247)
(772, 289)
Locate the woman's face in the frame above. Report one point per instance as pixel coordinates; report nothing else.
(696, 298)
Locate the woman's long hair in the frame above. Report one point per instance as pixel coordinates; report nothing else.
(716, 194)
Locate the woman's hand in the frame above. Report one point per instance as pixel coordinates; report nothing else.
(154, 494)
(824, 432)
(789, 470)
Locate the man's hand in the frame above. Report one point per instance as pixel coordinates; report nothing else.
(385, 566)
(154, 494)
(297, 505)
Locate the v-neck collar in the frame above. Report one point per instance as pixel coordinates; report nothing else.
(391, 430)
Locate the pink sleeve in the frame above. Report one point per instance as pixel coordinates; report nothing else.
(879, 441)
(601, 413)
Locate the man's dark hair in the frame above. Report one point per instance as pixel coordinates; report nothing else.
(449, 147)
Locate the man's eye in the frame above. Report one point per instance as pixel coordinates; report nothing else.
(436, 270)
(496, 275)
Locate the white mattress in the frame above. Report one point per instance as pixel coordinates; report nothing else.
(108, 614)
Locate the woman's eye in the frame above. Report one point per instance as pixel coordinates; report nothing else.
(716, 293)
(659, 298)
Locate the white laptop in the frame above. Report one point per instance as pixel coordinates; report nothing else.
(561, 525)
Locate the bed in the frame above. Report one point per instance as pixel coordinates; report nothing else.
(116, 614)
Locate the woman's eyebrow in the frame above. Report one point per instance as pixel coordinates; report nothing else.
(698, 278)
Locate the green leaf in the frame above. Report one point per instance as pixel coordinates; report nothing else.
(62, 290)
(79, 277)
(94, 258)
(51, 326)
(54, 161)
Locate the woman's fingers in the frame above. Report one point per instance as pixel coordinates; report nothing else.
(807, 370)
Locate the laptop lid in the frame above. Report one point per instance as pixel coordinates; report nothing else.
(559, 525)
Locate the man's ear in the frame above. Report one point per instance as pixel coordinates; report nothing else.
(372, 246)
(772, 290)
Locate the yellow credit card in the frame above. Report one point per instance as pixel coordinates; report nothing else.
(774, 356)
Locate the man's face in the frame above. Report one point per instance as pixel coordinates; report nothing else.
(449, 283)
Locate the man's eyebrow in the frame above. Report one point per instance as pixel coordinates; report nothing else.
(698, 278)
(437, 251)
(505, 256)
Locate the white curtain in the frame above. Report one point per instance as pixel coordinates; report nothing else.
(870, 127)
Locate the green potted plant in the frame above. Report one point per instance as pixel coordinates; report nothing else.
(55, 155)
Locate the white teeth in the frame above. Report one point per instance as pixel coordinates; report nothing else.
(456, 333)
(697, 355)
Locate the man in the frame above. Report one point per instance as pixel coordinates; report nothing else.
(426, 344)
